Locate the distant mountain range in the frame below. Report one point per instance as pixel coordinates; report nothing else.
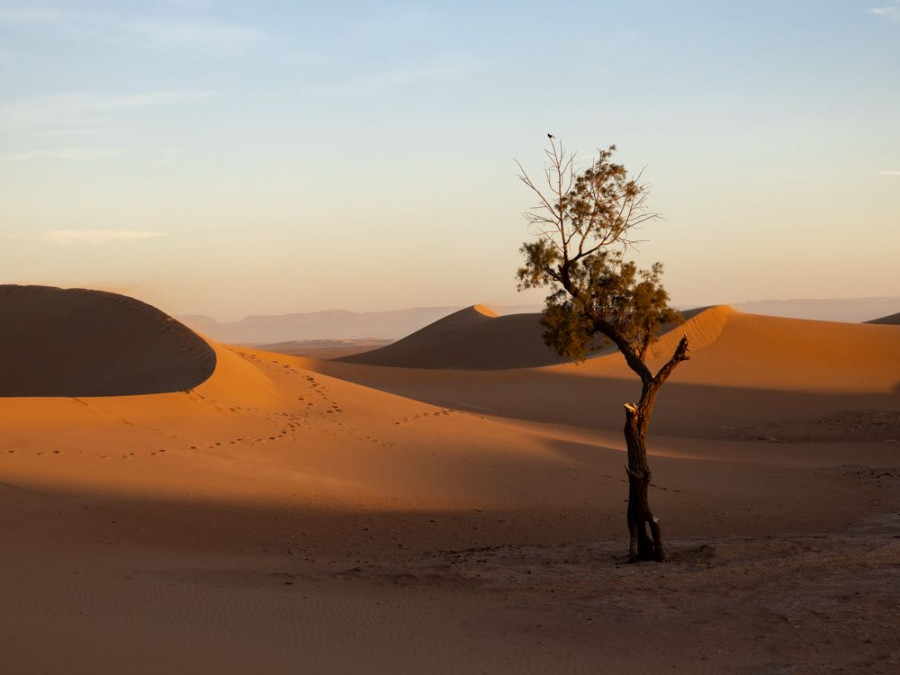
(343, 324)
(851, 310)
(336, 324)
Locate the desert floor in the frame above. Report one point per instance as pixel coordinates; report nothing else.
(293, 515)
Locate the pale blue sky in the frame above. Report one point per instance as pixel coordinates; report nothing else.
(232, 158)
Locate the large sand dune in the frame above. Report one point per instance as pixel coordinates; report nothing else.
(728, 348)
(474, 338)
(291, 514)
(78, 342)
(749, 377)
(733, 349)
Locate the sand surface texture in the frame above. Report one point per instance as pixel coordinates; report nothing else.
(288, 514)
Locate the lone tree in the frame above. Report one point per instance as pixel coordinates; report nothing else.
(584, 224)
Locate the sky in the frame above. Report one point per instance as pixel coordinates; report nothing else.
(234, 158)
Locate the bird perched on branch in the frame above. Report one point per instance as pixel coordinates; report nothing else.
(551, 136)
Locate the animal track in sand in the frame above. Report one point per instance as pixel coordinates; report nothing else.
(424, 415)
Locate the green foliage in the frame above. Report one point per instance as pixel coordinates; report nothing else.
(614, 299)
(584, 223)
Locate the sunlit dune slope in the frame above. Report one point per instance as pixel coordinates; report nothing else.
(75, 342)
(471, 339)
(734, 349)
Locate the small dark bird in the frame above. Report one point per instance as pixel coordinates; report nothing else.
(551, 136)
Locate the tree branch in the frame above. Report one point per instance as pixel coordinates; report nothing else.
(633, 360)
(680, 354)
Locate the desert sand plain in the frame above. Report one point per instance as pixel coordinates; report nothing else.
(452, 503)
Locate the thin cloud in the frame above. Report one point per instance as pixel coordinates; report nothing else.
(208, 35)
(97, 237)
(889, 12)
(71, 132)
(154, 98)
(216, 38)
(81, 109)
(888, 173)
(376, 83)
(77, 154)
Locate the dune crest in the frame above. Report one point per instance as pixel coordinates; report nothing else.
(731, 348)
(76, 342)
(486, 311)
(703, 327)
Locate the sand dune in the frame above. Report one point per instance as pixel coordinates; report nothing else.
(294, 514)
(891, 320)
(474, 338)
(89, 343)
(728, 349)
(733, 349)
(749, 377)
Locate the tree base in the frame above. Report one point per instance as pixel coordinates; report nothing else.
(644, 546)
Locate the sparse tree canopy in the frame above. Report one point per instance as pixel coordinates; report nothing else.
(584, 224)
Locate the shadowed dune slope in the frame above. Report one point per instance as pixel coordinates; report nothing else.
(471, 339)
(891, 320)
(75, 342)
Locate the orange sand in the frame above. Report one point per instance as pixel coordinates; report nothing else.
(294, 515)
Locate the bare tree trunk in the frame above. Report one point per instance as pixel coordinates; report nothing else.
(644, 545)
